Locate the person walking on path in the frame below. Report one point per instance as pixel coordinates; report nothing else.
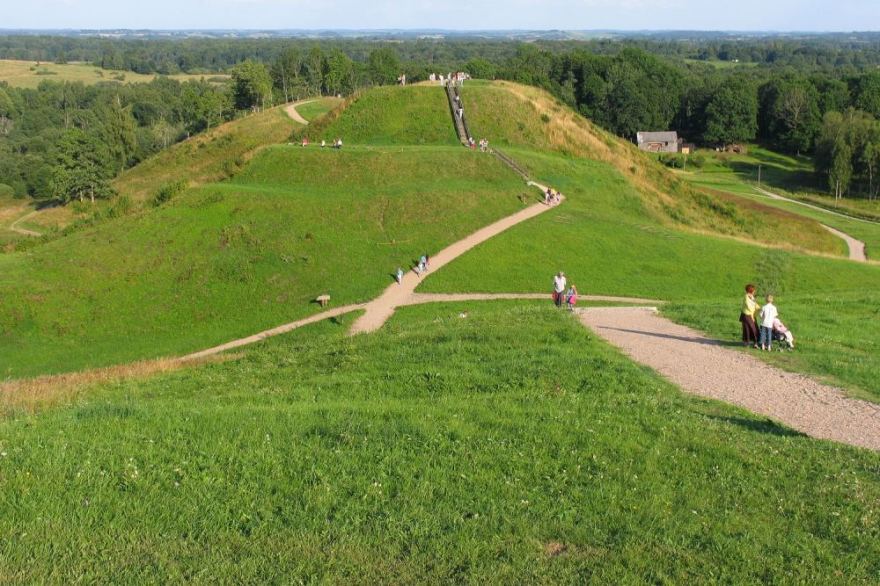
(399, 276)
(571, 297)
(747, 318)
(559, 283)
(768, 315)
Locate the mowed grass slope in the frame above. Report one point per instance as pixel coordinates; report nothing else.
(411, 115)
(608, 243)
(510, 446)
(516, 116)
(228, 260)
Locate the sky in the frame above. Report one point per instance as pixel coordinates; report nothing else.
(728, 15)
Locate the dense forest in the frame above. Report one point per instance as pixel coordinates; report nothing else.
(817, 96)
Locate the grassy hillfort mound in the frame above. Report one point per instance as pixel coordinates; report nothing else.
(224, 259)
(469, 441)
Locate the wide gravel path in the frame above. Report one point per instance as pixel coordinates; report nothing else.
(707, 367)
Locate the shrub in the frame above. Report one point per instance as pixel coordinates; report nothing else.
(168, 191)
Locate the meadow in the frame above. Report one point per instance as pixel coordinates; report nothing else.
(226, 260)
(510, 446)
(29, 74)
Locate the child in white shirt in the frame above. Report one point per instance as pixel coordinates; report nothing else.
(768, 314)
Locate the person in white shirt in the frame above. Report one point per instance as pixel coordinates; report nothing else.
(559, 284)
(768, 315)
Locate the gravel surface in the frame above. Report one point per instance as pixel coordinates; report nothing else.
(710, 368)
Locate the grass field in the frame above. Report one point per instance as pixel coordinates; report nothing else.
(510, 446)
(318, 107)
(607, 243)
(28, 74)
(227, 260)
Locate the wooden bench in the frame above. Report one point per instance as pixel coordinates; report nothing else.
(323, 300)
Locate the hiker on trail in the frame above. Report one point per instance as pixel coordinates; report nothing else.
(399, 276)
(427, 261)
(571, 297)
(768, 315)
(337, 144)
(747, 317)
(559, 283)
(323, 143)
(460, 113)
(423, 263)
(548, 196)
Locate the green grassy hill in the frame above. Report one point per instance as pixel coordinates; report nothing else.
(521, 117)
(229, 259)
(412, 115)
(511, 446)
(465, 442)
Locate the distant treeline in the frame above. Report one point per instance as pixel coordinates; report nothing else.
(175, 55)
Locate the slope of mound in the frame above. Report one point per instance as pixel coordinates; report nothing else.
(607, 243)
(229, 259)
(513, 115)
(212, 156)
(510, 446)
(411, 115)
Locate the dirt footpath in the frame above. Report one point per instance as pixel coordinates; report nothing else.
(707, 367)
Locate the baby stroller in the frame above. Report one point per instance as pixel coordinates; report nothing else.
(782, 336)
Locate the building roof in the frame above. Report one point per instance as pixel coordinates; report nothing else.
(649, 137)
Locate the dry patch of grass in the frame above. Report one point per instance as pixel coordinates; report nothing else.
(29, 74)
(32, 394)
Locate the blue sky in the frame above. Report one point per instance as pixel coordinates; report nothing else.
(782, 15)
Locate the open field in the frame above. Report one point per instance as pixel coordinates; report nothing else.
(508, 446)
(226, 260)
(28, 74)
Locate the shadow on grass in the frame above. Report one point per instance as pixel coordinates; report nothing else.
(690, 339)
(767, 426)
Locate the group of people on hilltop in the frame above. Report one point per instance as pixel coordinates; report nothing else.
(457, 78)
(771, 327)
(337, 144)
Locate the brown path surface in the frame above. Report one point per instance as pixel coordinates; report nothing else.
(420, 298)
(14, 226)
(380, 309)
(709, 368)
(856, 247)
(294, 113)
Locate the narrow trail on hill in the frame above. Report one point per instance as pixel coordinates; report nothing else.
(709, 368)
(294, 114)
(380, 309)
(14, 226)
(856, 247)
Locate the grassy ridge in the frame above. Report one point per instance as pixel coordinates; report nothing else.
(510, 446)
(608, 244)
(516, 116)
(230, 259)
(212, 156)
